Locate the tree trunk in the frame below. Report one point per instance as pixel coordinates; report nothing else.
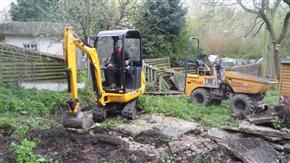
(276, 58)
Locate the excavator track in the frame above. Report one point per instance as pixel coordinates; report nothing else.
(129, 111)
(99, 114)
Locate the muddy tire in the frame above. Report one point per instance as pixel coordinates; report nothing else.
(200, 96)
(241, 105)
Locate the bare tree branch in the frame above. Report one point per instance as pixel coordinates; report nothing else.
(285, 28)
(247, 9)
(252, 26)
(269, 25)
(260, 27)
(255, 4)
(287, 2)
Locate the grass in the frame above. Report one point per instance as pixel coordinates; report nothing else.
(112, 122)
(25, 109)
(271, 97)
(181, 107)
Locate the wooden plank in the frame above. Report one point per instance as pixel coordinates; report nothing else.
(246, 127)
(31, 71)
(11, 75)
(30, 63)
(31, 68)
(155, 59)
(30, 53)
(32, 79)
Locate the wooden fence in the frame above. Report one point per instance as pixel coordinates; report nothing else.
(161, 77)
(20, 65)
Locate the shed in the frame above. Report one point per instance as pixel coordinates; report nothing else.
(284, 88)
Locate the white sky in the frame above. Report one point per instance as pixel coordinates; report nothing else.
(5, 4)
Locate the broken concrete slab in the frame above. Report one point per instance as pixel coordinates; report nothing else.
(246, 127)
(256, 119)
(194, 144)
(220, 134)
(286, 148)
(251, 150)
(168, 126)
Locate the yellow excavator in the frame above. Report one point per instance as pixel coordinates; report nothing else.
(117, 87)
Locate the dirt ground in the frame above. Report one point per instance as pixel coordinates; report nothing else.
(113, 145)
(6, 154)
(104, 145)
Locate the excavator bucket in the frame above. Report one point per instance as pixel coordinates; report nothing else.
(82, 120)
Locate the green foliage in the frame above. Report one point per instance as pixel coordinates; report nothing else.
(271, 97)
(32, 10)
(160, 23)
(277, 123)
(25, 109)
(24, 152)
(181, 107)
(111, 123)
(31, 101)
(40, 102)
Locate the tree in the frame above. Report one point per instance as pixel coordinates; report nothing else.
(89, 16)
(160, 22)
(267, 13)
(32, 10)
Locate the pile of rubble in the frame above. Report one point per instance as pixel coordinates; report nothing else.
(263, 137)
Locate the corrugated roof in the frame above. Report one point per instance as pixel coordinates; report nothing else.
(32, 29)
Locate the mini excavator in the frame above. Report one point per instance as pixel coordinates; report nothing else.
(110, 97)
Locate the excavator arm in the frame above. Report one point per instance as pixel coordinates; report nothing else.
(71, 43)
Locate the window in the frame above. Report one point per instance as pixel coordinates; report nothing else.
(32, 46)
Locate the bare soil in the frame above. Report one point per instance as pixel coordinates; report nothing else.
(106, 145)
(68, 146)
(6, 154)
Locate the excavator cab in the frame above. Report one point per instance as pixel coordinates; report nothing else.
(120, 56)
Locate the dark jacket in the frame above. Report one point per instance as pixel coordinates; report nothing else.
(117, 59)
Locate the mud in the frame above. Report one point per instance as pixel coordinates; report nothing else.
(152, 137)
(107, 145)
(58, 144)
(68, 146)
(6, 153)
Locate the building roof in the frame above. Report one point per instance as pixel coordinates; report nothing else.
(40, 29)
(286, 60)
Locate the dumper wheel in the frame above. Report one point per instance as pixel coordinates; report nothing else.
(99, 114)
(200, 96)
(241, 105)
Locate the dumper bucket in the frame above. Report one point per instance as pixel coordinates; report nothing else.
(244, 83)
